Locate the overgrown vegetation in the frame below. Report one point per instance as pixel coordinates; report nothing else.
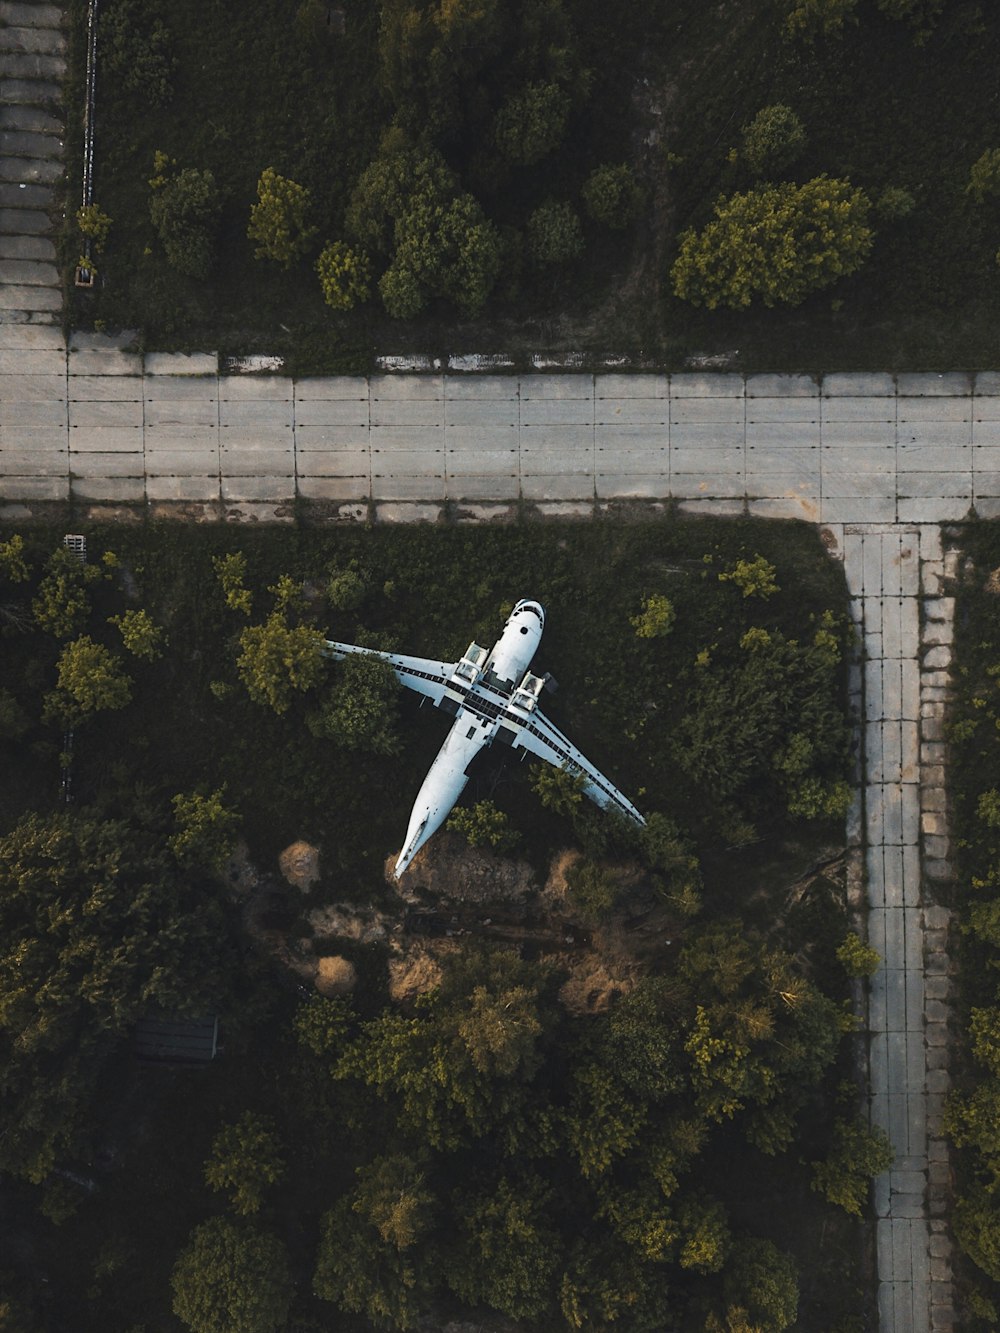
(487, 1147)
(509, 175)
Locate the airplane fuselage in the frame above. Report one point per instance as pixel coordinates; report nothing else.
(474, 726)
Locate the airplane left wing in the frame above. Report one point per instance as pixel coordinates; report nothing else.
(542, 738)
(422, 674)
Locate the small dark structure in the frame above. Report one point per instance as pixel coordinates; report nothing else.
(177, 1041)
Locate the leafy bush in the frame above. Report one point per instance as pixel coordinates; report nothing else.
(857, 958)
(554, 233)
(61, 604)
(346, 590)
(185, 206)
(657, 617)
(231, 569)
(276, 659)
(859, 1153)
(206, 830)
(361, 709)
(762, 1280)
(344, 275)
(483, 825)
(894, 203)
(778, 243)
(278, 220)
(754, 578)
(984, 177)
(773, 140)
(814, 18)
(90, 680)
(135, 51)
(95, 224)
(611, 195)
(13, 565)
(532, 123)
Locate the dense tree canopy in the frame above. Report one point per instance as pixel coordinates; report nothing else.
(775, 244)
(231, 1279)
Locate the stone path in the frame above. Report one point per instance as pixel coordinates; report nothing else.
(879, 461)
(904, 689)
(32, 67)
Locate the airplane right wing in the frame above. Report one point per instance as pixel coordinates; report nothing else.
(537, 734)
(427, 677)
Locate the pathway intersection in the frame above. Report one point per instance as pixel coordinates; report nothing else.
(878, 462)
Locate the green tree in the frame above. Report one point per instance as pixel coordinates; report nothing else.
(858, 1153)
(857, 958)
(345, 275)
(656, 619)
(483, 825)
(443, 247)
(612, 196)
(371, 1260)
(976, 1221)
(532, 123)
(276, 659)
(361, 708)
(554, 233)
(61, 605)
(246, 1158)
(346, 590)
(231, 571)
(763, 1281)
(894, 203)
(185, 206)
(506, 1250)
(13, 565)
(773, 140)
(279, 219)
(206, 829)
(90, 680)
(777, 243)
(232, 1279)
(139, 634)
(984, 177)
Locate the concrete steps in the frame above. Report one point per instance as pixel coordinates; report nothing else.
(32, 67)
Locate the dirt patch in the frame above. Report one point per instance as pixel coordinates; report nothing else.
(339, 921)
(416, 971)
(449, 870)
(595, 982)
(335, 976)
(299, 863)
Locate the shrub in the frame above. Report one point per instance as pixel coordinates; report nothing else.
(231, 570)
(344, 275)
(61, 604)
(278, 219)
(657, 618)
(231, 1277)
(246, 1158)
(754, 578)
(206, 830)
(13, 565)
(554, 233)
(346, 590)
(185, 208)
(139, 634)
(857, 958)
(483, 825)
(894, 203)
(612, 196)
(778, 243)
(858, 1154)
(984, 177)
(531, 123)
(813, 18)
(95, 224)
(90, 680)
(773, 140)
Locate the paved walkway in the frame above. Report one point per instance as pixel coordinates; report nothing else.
(879, 461)
(32, 67)
(904, 689)
(99, 423)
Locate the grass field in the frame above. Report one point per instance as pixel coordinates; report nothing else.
(672, 83)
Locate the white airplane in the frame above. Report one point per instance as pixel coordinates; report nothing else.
(493, 697)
